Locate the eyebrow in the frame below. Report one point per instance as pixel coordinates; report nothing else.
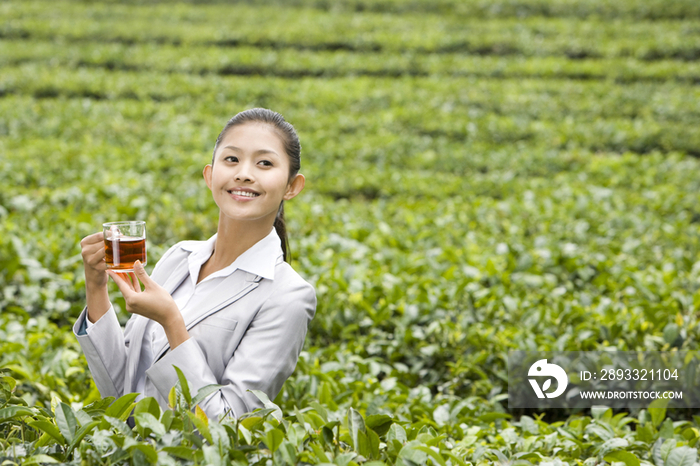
(259, 151)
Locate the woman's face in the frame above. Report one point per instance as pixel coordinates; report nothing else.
(250, 175)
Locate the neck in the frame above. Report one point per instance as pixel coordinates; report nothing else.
(234, 238)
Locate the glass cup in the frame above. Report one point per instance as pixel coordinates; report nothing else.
(125, 243)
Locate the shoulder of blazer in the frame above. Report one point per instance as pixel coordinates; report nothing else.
(287, 279)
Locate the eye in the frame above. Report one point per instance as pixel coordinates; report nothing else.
(231, 158)
(266, 163)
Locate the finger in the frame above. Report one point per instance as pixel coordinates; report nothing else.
(88, 249)
(141, 274)
(93, 251)
(96, 261)
(124, 287)
(134, 282)
(126, 277)
(92, 239)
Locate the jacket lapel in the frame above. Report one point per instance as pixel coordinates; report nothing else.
(176, 278)
(134, 353)
(137, 333)
(230, 290)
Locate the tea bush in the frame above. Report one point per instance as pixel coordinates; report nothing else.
(481, 177)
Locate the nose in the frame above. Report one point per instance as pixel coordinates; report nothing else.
(243, 173)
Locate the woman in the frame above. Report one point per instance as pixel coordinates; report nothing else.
(229, 310)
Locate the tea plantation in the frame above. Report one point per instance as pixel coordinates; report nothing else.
(482, 176)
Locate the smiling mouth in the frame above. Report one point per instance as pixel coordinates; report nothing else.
(243, 193)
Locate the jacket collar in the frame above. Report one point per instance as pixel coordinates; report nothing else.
(259, 259)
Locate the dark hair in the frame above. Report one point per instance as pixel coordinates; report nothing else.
(290, 141)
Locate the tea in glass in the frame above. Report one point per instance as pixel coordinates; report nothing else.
(125, 243)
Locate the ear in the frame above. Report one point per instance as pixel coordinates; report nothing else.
(207, 175)
(295, 186)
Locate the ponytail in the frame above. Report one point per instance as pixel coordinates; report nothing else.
(281, 228)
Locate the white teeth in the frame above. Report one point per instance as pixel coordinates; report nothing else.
(244, 193)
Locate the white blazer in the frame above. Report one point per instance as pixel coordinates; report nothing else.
(248, 334)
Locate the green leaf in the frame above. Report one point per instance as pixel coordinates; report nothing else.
(645, 433)
(397, 432)
(380, 423)
(277, 413)
(373, 443)
(599, 412)
(344, 458)
(527, 456)
(682, 456)
(201, 426)
(118, 424)
(361, 444)
(300, 417)
(167, 418)
(12, 412)
(356, 424)
(433, 454)
(184, 386)
(82, 417)
(172, 398)
(661, 450)
(220, 436)
(201, 415)
(121, 408)
(613, 444)
(251, 422)
(325, 396)
(320, 410)
(409, 452)
(213, 456)
(247, 436)
(314, 419)
(66, 422)
(180, 452)
(320, 454)
(624, 456)
(40, 459)
(50, 429)
(82, 432)
(146, 420)
(99, 406)
(205, 392)
(273, 439)
(455, 459)
(288, 453)
(667, 430)
(327, 436)
(8, 383)
(657, 409)
(148, 450)
(148, 405)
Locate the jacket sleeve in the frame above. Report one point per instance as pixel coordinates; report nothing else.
(263, 360)
(105, 346)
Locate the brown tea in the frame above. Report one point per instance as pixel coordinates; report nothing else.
(122, 252)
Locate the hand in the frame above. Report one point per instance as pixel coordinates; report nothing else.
(153, 302)
(92, 248)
